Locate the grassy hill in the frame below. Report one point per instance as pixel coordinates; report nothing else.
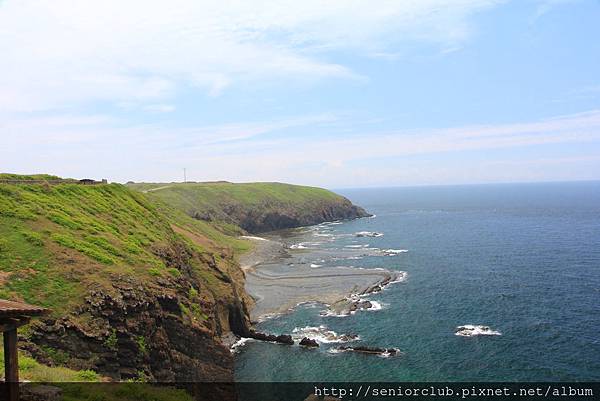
(129, 281)
(256, 207)
(142, 280)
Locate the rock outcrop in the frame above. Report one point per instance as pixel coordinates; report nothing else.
(255, 207)
(137, 331)
(308, 342)
(371, 350)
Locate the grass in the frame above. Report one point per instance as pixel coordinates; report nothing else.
(191, 196)
(55, 240)
(8, 176)
(30, 369)
(75, 384)
(225, 204)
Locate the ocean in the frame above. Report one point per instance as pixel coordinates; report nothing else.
(523, 259)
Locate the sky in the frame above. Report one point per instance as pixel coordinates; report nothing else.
(336, 93)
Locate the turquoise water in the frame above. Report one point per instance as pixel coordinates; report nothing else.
(523, 259)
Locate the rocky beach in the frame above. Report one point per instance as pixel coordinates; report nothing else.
(278, 279)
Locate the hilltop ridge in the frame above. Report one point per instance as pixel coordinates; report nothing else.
(255, 207)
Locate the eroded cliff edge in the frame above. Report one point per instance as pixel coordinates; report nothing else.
(134, 292)
(255, 207)
(142, 286)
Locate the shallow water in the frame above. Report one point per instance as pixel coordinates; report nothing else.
(522, 259)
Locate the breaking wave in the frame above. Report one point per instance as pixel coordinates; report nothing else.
(471, 330)
(323, 335)
(368, 234)
(235, 347)
(393, 252)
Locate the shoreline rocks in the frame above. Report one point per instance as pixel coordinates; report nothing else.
(308, 342)
(354, 303)
(281, 339)
(371, 350)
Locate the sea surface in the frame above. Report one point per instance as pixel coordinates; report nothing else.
(523, 259)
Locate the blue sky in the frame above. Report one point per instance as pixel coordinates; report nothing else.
(335, 93)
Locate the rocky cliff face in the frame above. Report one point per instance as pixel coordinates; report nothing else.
(280, 216)
(166, 330)
(255, 207)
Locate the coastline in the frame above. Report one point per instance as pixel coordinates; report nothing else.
(278, 286)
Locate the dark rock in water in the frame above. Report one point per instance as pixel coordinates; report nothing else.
(282, 339)
(285, 339)
(308, 342)
(348, 337)
(370, 350)
(364, 305)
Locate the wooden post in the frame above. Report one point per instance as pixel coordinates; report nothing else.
(11, 364)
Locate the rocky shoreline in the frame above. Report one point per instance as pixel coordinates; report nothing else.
(346, 298)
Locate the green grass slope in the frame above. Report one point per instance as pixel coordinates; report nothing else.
(256, 207)
(54, 239)
(112, 266)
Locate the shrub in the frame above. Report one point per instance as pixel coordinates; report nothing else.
(141, 343)
(87, 375)
(111, 340)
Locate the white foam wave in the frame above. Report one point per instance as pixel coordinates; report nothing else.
(314, 265)
(400, 277)
(332, 313)
(470, 330)
(322, 334)
(297, 246)
(357, 246)
(388, 354)
(393, 252)
(375, 306)
(235, 347)
(368, 234)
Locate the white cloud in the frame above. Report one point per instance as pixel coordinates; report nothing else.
(76, 146)
(58, 53)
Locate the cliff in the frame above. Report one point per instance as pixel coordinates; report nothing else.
(142, 280)
(134, 294)
(255, 207)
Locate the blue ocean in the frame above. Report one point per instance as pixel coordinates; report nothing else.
(522, 259)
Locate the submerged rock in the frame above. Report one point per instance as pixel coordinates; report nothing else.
(371, 350)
